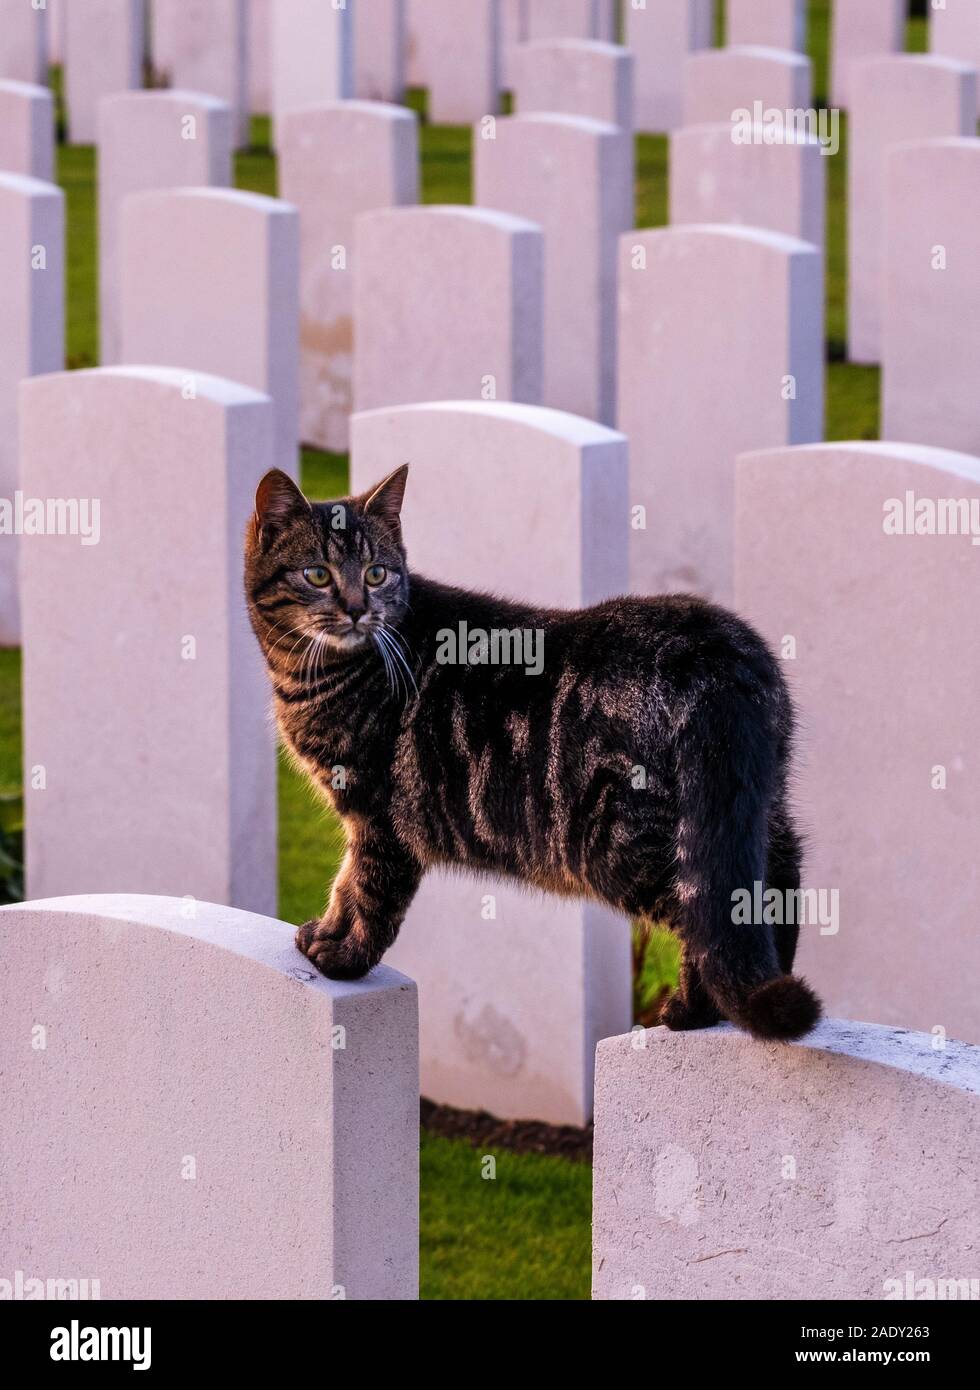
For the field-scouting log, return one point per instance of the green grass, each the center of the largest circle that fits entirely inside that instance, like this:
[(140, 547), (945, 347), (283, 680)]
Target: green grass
[(524, 1234)]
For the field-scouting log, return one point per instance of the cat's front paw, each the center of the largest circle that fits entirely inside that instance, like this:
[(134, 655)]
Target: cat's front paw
[(681, 1017), (333, 956)]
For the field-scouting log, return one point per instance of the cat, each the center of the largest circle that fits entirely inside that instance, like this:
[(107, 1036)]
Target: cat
[(643, 762)]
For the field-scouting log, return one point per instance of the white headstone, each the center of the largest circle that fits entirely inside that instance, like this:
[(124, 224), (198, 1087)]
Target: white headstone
[(231, 306), (312, 54), (251, 1127), (104, 41), (208, 52), (569, 19), (26, 130), (23, 42), (772, 23), (575, 77), (830, 1168), (462, 60), (538, 167), (858, 563), (660, 37), (954, 32), (726, 84), (259, 56), (149, 761), (862, 29), (513, 1003), (931, 316), (336, 161), (148, 140), (379, 49), (893, 99), (448, 305), (695, 392), (777, 184), (32, 276)]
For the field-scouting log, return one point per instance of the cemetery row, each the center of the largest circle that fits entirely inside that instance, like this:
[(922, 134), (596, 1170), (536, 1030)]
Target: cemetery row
[(684, 446), (280, 55), (346, 293), (164, 1162)]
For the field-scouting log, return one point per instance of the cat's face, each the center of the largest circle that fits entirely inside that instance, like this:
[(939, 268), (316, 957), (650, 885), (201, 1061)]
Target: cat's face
[(331, 573)]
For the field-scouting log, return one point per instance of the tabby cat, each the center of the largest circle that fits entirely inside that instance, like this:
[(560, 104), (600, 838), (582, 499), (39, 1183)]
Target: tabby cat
[(643, 762)]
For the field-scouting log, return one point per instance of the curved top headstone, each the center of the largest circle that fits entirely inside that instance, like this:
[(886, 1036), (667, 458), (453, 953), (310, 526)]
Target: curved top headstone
[(190, 1111), (858, 562), (837, 1167)]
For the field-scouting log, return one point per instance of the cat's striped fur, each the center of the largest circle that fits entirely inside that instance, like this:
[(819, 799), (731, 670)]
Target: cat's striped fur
[(645, 765)]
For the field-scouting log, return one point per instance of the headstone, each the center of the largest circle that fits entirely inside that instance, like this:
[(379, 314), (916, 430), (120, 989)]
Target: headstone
[(893, 99), (462, 60), (448, 303), (660, 36), (312, 54), (231, 308), (516, 988), (538, 167), (23, 42), (831, 1168), (575, 77), (56, 30), (32, 274), (569, 19), (379, 50), (336, 161), (208, 52), (772, 23), (513, 31), (172, 788), (832, 543), (26, 130), (690, 400), (779, 184), (721, 83), (148, 140), (104, 42), (954, 32), (931, 323), (259, 59), (862, 29), (188, 1041)]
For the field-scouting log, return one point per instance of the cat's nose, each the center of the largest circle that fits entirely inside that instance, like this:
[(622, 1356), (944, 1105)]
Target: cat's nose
[(356, 612)]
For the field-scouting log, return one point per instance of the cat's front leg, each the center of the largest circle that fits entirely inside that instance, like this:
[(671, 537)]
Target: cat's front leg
[(371, 894)]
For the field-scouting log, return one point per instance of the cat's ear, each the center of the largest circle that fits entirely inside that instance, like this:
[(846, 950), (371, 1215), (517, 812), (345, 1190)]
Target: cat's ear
[(278, 501), (385, 500)]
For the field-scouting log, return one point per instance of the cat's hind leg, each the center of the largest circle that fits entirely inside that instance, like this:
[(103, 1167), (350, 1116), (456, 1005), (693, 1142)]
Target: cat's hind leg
[(690, 1005)]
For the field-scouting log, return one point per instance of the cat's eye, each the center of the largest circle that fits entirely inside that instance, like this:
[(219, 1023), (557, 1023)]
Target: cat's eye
[(375, 575), (317, 575)]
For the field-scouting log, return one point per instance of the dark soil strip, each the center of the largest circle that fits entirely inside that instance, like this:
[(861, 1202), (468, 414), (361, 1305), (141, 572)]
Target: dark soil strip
[(485, 1131)]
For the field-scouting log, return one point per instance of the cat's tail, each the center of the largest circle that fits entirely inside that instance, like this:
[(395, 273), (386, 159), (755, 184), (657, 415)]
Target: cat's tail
[(728, 775)]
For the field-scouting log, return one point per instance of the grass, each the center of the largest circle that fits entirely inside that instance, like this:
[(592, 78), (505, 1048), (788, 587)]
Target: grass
[(525, 1233), (522, 1234)]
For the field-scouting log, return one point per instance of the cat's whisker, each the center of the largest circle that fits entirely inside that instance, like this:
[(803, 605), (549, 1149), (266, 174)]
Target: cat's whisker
[(385, 658), (397, 653), (391, 655)]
